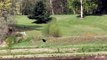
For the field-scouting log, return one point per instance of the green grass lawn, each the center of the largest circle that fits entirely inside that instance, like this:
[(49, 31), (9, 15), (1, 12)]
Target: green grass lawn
[(73, 26), (70, 25)]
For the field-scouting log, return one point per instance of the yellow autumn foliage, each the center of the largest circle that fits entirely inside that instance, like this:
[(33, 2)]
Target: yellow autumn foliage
[(5, 4)]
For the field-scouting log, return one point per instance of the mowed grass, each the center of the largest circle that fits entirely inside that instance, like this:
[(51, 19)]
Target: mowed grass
[(90, 25), (70, 25), (26, 25)]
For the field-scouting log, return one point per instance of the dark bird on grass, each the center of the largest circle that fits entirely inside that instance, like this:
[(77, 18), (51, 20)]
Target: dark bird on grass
[(44, 40)]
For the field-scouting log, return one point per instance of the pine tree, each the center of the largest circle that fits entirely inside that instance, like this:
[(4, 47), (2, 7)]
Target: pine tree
[(40, 13)]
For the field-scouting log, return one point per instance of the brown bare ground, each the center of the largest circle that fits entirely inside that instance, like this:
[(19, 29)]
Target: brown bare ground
[(100, 57), (78, 39)]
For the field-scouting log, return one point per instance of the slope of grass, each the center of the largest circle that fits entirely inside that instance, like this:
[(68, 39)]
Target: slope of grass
[(25, 24), (70, 25), (73, 26)]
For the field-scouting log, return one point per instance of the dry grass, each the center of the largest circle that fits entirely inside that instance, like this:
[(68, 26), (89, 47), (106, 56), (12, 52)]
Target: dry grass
[(77, 39)]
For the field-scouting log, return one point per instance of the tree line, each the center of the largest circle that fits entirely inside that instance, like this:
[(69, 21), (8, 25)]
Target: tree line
[(25, 7), (67, 6)]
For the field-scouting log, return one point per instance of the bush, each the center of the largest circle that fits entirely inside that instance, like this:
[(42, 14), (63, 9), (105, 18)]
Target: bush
[(10, 41), (52, 29)]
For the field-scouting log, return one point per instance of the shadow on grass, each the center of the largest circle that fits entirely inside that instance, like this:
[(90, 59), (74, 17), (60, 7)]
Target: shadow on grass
[(28, 27), (78, 16)]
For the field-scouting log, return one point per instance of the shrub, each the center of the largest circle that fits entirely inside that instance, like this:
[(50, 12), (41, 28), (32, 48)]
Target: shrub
[(52, 29), (10, 41)]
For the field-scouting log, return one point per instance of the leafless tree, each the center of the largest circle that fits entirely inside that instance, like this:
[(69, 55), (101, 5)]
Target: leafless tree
[(7, 23)]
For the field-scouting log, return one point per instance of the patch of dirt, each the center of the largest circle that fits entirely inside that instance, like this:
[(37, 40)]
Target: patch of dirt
[(64, 58)]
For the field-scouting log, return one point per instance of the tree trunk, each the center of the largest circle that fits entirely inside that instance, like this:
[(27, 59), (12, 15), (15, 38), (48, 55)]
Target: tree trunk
[(74, 12), (82, 9), (52, 9)]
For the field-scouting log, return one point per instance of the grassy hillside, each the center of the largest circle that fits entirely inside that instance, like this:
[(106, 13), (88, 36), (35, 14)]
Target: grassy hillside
[(71, 27)]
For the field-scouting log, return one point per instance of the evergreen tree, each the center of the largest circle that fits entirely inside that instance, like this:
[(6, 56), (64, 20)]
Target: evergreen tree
[(40, 13)]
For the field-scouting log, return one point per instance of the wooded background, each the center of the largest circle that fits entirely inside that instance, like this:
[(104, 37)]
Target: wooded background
[(25, 7)]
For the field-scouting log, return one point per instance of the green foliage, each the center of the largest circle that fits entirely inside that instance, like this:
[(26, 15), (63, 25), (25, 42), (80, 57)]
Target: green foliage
[(92, 48), (40, 13), (74, 5), (10, 41), (90, 6), (52, 29), (27, 6)]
